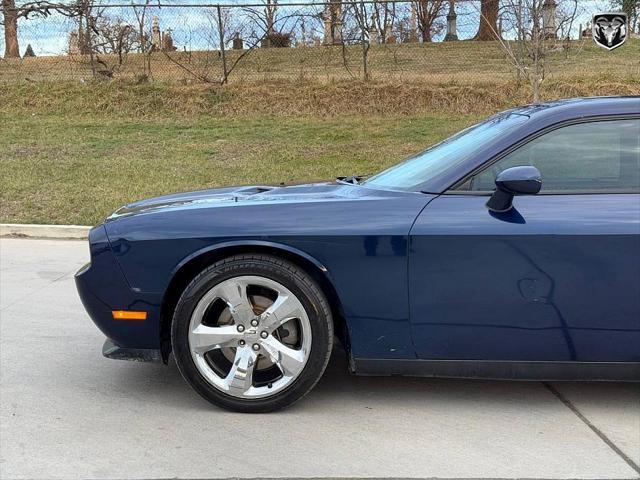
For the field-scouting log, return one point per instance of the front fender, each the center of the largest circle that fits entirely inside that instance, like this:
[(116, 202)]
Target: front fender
[(247, 244)]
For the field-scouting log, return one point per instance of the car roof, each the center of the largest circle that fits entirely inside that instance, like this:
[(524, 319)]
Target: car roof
[(571, 108)]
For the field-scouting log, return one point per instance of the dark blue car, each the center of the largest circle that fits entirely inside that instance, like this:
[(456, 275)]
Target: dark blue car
[(510, 250)]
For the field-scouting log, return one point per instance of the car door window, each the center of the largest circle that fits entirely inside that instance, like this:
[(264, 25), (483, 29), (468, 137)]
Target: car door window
[(595, 156)]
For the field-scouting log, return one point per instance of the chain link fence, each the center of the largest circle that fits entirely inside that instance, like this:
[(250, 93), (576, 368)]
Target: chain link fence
[(423, 40)]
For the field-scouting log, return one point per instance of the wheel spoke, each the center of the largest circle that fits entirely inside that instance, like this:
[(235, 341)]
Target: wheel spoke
[(205, 338), (234, 293), (283, 309), (244, 341), (240, 378), (290, 361)]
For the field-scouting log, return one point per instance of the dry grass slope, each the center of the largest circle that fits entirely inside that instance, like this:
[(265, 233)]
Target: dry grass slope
[(465, 62), (290, 98)]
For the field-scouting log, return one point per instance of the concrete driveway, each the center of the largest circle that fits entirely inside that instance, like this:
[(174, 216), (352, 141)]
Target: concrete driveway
[(66, 412)]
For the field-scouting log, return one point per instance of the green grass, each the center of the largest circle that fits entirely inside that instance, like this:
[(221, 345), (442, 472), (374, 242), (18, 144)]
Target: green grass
[(77, 169)]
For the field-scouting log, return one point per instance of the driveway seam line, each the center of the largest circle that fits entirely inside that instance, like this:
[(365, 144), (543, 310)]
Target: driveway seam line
[(378, 478), (593, 428)]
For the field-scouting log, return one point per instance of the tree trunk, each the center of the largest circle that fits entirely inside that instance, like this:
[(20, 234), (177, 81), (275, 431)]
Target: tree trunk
[(632, 9), (488, 20), (11, 48), (426, 13)]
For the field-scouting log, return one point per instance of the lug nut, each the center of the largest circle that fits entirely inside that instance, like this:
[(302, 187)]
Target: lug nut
[(256, 347), (254, 322), (241, 328), (241, 343), (264, 334)]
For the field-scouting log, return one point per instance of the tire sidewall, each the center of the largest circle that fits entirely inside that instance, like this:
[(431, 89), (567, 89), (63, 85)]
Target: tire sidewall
[(300, 284)]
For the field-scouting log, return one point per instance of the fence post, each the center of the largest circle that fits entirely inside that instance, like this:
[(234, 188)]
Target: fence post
[(88, 33), (222, 52), (365, 41)]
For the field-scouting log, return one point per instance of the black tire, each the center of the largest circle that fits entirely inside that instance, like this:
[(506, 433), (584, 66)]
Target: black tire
[(290, 276)]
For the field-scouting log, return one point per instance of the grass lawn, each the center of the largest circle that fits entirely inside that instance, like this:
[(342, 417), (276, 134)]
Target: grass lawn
[(76, 169)]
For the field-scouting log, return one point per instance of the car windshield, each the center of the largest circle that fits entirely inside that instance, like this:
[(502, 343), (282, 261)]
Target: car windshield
[(420, 168)]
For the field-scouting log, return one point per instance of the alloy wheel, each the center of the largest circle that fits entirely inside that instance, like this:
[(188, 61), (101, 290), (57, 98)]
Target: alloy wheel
[(250, 337)]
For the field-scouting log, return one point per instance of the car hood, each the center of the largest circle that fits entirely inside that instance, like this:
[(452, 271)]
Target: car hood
[(232, 196)]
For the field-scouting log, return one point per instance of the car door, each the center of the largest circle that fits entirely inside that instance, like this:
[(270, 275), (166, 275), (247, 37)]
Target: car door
[(555, 278)]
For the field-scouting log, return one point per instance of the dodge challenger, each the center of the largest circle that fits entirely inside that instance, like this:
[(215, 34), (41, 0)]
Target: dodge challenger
[(508, 251)]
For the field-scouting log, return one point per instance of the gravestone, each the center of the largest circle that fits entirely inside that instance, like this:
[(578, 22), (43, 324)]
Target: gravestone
[(156, 36), (549, 18), (452, 33), (373, 33), (167, 41), (413, 25), (238, 44), (29, 52), (332, 20), (74, 46)]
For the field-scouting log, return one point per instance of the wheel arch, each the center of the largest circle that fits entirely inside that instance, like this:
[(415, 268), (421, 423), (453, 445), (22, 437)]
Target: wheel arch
[(186, 270)]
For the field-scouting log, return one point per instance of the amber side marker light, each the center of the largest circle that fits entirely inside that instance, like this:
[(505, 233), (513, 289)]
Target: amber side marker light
[(129, 315)]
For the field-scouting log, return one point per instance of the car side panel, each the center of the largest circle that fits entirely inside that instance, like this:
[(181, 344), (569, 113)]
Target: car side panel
[(361, 242), (557, 278)]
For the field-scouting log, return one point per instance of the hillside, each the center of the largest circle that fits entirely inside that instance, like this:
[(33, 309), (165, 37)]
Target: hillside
[(464, 62), (74, 149)]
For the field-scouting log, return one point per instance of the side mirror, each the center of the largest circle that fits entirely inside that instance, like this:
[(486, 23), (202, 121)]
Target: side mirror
[(514, 181)]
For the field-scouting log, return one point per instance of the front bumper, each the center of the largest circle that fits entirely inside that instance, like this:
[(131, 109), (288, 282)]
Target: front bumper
[(111, 350), (103, 288)]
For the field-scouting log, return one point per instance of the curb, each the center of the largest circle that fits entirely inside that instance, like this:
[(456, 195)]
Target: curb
[(66, 232)]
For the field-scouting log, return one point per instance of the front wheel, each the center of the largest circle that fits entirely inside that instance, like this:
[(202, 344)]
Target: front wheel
[(252, 333)]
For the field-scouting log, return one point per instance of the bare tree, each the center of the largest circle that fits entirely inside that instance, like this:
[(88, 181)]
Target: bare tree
[(223, 26), (270, 15), (86, 18), (363, 22), (10, 15), (404, 22), (10, 21), (97, 32), (231, 25), (114, 36), (384, 15), (79, 9), (144, 45), (537, 31), (428, 12), (488, 29), (274, 29)]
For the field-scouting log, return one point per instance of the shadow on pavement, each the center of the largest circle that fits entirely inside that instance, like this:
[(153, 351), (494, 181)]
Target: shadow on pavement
[(165, 384)]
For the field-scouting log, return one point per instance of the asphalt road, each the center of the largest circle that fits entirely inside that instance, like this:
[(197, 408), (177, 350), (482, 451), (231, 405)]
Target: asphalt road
[(66, 412)]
